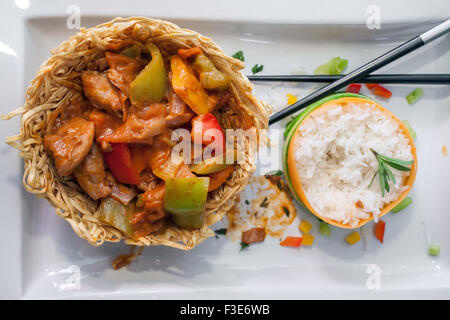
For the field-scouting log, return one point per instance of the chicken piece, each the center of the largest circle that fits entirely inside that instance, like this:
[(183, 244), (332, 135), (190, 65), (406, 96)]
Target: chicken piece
[(119, 191), (150, 218), (153, 202), (91, 175), (74, 109), (253, 235), (178, 112), (101, 92), (122, 71), (70, 144), (141, 125), (105, 125), (147, 180)]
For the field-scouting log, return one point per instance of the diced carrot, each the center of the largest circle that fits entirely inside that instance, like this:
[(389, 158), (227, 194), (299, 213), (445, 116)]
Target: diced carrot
[(379, 230), (370, 86), (291, 242), (382, 92)]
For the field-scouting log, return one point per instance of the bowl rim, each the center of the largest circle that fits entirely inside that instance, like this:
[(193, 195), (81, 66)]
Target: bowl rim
[(294, 180)]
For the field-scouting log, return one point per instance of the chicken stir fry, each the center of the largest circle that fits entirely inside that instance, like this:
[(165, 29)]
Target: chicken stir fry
[(116, 143)]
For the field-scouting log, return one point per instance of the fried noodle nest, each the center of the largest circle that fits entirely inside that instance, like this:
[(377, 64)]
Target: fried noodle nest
[(58, 82)]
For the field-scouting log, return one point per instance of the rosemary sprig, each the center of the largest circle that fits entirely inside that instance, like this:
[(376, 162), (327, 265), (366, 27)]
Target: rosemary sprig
[(385, 174)]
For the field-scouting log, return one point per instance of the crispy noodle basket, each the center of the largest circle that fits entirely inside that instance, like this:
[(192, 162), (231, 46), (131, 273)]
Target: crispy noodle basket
[(58, 82)]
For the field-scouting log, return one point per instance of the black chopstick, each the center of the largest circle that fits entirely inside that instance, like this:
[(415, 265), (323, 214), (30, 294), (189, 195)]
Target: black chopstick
[(365, 70), (376, 78)]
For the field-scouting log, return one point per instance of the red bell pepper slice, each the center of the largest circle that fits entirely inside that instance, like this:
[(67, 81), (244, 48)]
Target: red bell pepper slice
[(216, 179), (120, 164), (379, 230), (291, 242), (370, 86), (382, 92), (206, 128), (353, 88), (379, 90)]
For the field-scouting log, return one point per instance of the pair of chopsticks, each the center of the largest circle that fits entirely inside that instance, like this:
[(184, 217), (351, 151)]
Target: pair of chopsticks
[(361, 74)]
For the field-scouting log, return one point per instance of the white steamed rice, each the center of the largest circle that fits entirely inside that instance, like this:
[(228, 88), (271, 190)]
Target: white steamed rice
[(335, 163)]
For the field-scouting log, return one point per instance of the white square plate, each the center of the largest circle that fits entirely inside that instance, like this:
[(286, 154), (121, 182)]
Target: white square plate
[(41, 253)]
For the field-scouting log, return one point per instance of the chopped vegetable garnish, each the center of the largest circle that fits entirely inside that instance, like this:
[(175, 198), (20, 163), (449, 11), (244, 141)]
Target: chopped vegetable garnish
[(274, 173), (353, 88), (247, 202), (370, 86), (221, 231), (257, 68), (264, 203), (291, 99), (402, 205), (324, 229), (414, 95), (305, 226), (333, 67), (239, 55), (379, 230), (353, 238), (244, 246), (382, 92), (307, 240), (410, 129), (433, 250), (291, 242)]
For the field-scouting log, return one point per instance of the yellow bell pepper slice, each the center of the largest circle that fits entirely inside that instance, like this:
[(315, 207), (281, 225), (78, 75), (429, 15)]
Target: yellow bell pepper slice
[(189, 88), (307, 240), (304, 226), (353, 238)]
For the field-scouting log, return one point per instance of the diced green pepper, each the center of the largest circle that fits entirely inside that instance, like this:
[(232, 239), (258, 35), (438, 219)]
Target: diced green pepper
[(215, 164), (402, 205), (410, 129), (185, 200), (414, 95), (210, 77), (116, 214), (324, 229), (433, 250), (333, 67), (150, 84), (131, 52)]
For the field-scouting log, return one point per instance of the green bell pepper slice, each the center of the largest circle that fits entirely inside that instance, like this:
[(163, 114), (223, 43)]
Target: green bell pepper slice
[(185, 200), (116, 214), (210, 77), (334, 66), (150, 84)]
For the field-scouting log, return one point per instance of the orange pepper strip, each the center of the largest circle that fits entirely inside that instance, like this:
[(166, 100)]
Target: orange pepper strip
[(217, 178), (189, 88), (291, 242), (187, 53), (379, 230)]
